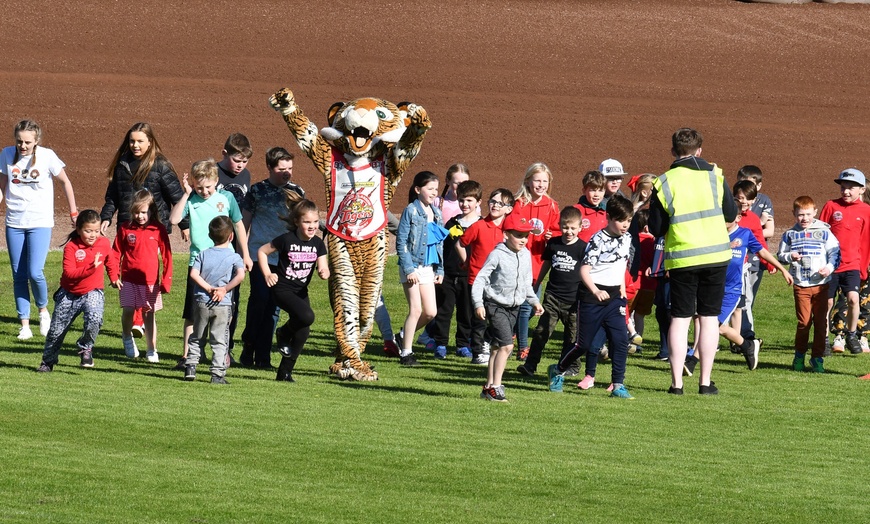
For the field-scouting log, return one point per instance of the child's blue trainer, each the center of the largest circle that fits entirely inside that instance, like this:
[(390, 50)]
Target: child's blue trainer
[(556, 378), (441, 352), (620, 391), (463, 352)]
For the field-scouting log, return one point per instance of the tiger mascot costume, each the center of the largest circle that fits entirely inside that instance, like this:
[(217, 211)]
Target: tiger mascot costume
[(362, 156)]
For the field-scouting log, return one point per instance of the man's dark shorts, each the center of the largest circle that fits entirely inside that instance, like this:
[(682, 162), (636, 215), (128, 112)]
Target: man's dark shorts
[(697, 290)]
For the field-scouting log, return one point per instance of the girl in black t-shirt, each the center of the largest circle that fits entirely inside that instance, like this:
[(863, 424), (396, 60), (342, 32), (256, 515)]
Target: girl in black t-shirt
[(300, 253)]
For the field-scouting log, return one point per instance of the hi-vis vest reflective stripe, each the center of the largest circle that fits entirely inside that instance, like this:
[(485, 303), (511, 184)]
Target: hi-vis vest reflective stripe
[(697, 234)]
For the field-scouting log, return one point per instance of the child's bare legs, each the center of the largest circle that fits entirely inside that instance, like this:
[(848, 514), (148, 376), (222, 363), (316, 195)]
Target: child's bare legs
[(150, 329), (731, 333), (421, 309), (127, 322), (188, 330), (497, 363), (853, 312), (737, 321)]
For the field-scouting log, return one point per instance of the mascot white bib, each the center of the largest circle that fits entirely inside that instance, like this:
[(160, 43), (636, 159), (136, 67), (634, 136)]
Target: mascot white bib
[(357, 210)]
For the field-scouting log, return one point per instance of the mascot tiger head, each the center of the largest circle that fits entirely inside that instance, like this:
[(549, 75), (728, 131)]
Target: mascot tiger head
[(365, 126)]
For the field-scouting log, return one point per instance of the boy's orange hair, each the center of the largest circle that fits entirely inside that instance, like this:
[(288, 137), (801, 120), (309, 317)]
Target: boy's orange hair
[(803, 202)]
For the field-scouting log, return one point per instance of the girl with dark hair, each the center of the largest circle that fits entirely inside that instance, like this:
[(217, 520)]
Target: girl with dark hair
[(421, 259), (85, 254)]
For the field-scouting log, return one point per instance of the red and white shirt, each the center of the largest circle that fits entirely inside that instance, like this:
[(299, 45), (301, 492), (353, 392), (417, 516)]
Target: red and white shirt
[(357, 210)]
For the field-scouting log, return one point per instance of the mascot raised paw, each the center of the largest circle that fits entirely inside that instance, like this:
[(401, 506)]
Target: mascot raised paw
[(362, 154)]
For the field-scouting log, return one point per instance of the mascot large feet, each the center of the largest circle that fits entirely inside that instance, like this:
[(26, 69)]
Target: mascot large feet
[(362, 154)]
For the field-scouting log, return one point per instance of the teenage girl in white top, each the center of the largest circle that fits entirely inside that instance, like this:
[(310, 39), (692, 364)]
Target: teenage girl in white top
[(27, 186)]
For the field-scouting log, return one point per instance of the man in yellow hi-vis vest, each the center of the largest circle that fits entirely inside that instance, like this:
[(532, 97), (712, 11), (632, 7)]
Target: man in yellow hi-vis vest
[(690, 205)]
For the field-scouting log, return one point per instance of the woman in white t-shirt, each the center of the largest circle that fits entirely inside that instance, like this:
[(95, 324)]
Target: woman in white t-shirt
[(28, 188)]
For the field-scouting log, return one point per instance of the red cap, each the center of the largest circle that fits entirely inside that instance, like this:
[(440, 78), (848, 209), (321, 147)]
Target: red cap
[(514, 222)]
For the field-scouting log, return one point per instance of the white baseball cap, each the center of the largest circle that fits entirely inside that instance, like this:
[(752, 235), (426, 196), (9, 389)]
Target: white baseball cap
[(851, 175), (611, 167)]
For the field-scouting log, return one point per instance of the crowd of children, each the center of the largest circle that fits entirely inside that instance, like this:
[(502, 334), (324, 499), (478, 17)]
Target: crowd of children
[(605, 267)]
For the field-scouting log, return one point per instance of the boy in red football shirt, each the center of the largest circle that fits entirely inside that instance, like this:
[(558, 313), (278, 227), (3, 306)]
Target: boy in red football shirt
[(480, 239), (849, 218)]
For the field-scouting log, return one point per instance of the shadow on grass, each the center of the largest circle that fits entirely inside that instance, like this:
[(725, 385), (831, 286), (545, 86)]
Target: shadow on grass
[(397, 389)]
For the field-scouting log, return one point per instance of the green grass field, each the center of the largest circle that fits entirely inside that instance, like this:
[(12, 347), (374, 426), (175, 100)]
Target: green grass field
[(129, 441)]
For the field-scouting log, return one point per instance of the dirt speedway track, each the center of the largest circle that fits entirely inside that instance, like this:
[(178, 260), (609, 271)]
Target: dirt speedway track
[(506, 83)]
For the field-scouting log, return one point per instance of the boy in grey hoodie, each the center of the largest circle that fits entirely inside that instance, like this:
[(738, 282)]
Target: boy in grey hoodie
[(502, 285)]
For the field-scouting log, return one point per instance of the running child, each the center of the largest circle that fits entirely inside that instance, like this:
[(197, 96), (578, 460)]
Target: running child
[(500, 287), (421, 258), (642, 299), (215, 272), (814, 253), (594, 218), (234, 178), (480, 239), (743, 244), (140, 164), (264, 213), (86, 254), (602, 302), (591, 205), (762, 206), (448, 202), (454, 291), (641, 189), (142, 246), (300, 253), (533, 203), (745, 194), (613, 171), (562, 257), (849, 218), (201, 203)]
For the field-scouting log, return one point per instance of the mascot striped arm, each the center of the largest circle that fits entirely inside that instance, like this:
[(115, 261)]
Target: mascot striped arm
[(362, 155)]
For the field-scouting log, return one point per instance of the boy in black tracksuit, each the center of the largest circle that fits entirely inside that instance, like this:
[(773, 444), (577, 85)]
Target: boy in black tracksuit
[(562, 258), (455, 291)]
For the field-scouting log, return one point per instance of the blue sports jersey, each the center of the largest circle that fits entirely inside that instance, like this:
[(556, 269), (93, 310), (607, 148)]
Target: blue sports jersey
[(742, 240)]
